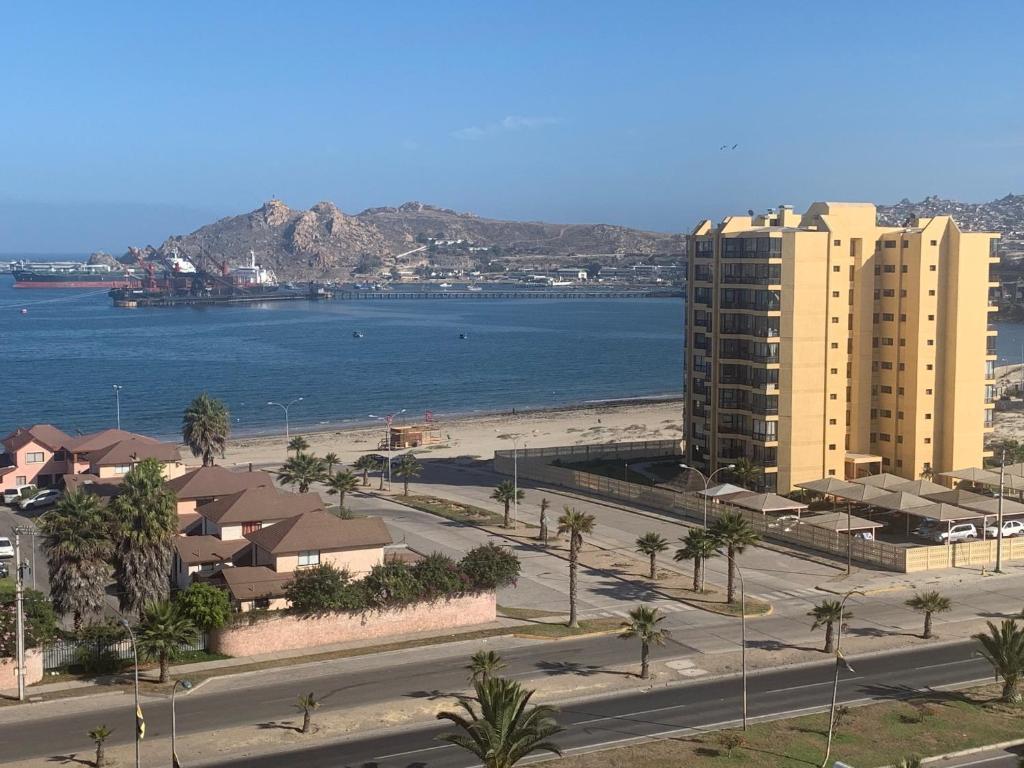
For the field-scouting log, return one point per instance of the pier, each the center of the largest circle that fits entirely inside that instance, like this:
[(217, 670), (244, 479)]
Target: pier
[(508, 294)]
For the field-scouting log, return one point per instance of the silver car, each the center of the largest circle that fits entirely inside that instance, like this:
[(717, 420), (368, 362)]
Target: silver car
[(959, 532)]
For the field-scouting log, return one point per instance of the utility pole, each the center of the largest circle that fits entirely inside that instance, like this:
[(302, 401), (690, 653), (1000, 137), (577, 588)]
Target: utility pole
[(117, 401), (19, 597), (999, 515)]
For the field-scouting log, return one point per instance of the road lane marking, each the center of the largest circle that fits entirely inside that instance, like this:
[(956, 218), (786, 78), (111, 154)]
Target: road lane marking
[(809, 685), (626, 715), (413, 751)]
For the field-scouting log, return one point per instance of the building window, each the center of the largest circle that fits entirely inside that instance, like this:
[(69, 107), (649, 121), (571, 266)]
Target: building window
[(927, 441), (884, 437), (927, 416), (873, 437), (931, 342), (899, 439), (122, 469), (20, 480), (885, 413), (903, 294), (886, 389), (834, 371), (835, 345), (889, 268), (903, 318), (261, 603), (935, 242), (931, 267), (835, 269), (835, 294), (833, 396), (927, 391), (36, 457), (835, 319), (902, 366), (874, 413), (931, 292), (886, 341), (886, 366), (831, 446), (899, 462), (931, 317), (889, 243), (251, 527), (927, 367), (309, 557), (899, 414), (831, 471), (837, 242), (887, 316), (903, 342), (903, 268), (832, 422), (889, 293), (899, 390)]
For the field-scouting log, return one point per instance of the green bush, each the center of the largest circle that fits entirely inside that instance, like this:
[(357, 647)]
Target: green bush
[(40, 620), (439, 576), (317, 590), (204, 605), (95, 655), (489, 567), (392, 584)]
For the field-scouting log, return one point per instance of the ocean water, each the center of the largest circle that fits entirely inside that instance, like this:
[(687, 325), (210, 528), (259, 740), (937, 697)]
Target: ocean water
[(61, 358)]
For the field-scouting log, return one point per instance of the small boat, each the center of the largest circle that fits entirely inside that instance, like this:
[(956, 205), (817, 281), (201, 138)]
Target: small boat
[(474, 288), (445, 285), (357, 334), (463, 335)]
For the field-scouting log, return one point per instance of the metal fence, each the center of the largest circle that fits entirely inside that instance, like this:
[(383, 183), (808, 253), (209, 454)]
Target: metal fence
[(643, 448), (61, 654)]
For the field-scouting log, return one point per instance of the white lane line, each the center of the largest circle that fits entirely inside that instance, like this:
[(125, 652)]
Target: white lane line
[(625, 715), (414, 751), (945, 664), (808, 685)]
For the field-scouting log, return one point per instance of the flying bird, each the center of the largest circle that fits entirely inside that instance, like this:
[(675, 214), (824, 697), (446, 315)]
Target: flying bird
[(726, 146)]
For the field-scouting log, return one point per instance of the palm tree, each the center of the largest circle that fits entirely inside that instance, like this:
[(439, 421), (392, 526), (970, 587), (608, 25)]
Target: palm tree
[(734, 532), (1003, 648), (76, 539), (651, 544), (576, 524), (745, 473), (505, 730), (330, 460), (643, 623), (408, 468), (100, 735), (366, 464), (928, 603), (306, 704), (162, 632), (483, 665), (144, 523), (340, 483), (545, 505), (205, 427), (505, 493), (910, 761), (827, 614), (699, 546), (299, 444), (302, 469)]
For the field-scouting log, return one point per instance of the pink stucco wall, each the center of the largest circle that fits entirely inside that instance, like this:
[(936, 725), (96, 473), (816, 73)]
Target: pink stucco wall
[(284, 632), (33, 670)]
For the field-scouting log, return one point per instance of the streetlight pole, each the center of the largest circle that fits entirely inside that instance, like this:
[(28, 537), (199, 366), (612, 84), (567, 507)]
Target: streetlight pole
[(707, 484), (139, 721), (840, 661), (387, 436), (117, 403), (185, 685), (999, 515), (19, 598), (743, 630), (515, 483), (284, 407)]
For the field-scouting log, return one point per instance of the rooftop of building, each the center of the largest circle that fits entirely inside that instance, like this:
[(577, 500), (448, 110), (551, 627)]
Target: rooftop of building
[(321, 531), (201, 550), (211, 482), (252, 582), (260, 503), (45, 435), (130, 450)]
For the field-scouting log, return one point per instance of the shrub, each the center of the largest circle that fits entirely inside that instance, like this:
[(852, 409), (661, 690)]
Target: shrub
[(317, 590), (40, 620), (205, 606), (95, 655), (392, 584), (439, 576), (489, 567)]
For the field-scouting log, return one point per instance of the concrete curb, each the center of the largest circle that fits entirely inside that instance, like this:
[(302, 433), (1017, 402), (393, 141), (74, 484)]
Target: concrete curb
[(969, 752)]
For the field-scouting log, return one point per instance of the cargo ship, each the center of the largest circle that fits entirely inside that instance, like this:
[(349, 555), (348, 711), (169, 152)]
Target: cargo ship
[(67, 274)]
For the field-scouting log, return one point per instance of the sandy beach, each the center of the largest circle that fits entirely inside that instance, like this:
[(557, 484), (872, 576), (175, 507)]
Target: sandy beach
[(477, 437)]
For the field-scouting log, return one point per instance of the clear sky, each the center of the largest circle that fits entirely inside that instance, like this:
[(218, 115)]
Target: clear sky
[(122, 123)]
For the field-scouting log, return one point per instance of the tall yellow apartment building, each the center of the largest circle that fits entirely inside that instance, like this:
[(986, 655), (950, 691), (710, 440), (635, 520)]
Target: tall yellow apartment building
[(822, 344)]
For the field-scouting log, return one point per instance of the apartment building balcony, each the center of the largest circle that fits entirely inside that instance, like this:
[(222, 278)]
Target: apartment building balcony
[(990, 345)]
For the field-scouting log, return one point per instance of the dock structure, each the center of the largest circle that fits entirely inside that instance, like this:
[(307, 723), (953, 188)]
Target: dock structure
[(507, 294)]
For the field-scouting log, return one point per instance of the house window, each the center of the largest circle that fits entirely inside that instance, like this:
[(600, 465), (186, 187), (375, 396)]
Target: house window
[(251, 527), (835, 269), (837, 242), (889, 268), (890, 243), (35, 457), (261, 603), (20, 480), (309, 557), (122, 469)]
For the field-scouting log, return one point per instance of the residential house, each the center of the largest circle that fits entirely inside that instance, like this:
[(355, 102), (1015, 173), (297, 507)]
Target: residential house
[(232, 516), (33, 455), (205, 484), (253, 587), (202, 555)]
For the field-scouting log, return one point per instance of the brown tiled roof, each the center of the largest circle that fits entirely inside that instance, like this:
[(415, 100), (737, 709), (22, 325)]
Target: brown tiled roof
[(320, 531), (105, 488), (402, 554), (210, 482), (196, 550), (102, 439), (254, 582), (46, 435), (132, 450), (259, 504), (187, 520)]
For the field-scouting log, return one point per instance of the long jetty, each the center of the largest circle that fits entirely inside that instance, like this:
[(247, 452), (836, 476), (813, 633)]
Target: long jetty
[(505, 294)]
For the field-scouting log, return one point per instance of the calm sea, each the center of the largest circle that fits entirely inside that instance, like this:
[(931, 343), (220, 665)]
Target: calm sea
[(60, 360)]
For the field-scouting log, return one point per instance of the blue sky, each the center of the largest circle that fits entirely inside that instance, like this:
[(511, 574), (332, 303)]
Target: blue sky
[(128, 122)]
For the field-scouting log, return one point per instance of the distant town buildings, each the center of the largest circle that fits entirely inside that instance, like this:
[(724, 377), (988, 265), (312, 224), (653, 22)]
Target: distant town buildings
[(822, 344)]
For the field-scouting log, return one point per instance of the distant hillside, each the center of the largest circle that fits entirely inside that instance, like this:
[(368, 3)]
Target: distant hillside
[(326, 242), (1005, 215)]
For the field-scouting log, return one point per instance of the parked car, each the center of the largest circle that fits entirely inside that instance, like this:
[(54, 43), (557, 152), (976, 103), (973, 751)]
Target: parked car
[(959, 532), (1010, 528), (41, 500), (6, 548), (11, 495), (927, 528)]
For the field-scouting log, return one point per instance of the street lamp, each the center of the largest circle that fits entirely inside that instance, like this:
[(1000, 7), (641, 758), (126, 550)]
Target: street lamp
[(140, 723), (284, 407), (840, 661), (387, 436), (117, 403), (743, 630), (185, 685), (707, 483)]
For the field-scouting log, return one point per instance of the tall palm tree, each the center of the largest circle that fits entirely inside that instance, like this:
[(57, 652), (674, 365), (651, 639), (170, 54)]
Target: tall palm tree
[(505, 493), (745, 473), (162, 632), (205, 427), (651, 544), (306, 704), (506, 729), (734, 532), (302, 470), (576, 524), (299, 444), (366, 464), (827, 614), (144, 523), (929, 603), (1003, 648), (643, 623), (76, 539), (340, 483), (483, 665), (330, 460), (699, 546), (545, 505), (98, 736), (408, 468)]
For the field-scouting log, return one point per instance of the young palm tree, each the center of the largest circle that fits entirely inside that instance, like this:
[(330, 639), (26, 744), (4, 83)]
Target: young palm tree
[(144, 523), (506, 729), (299, 444), (827, 614), (576, 524), (302, 470), (929, 603), (734, 532), (651, 544), (100, 735), (505, 493), (699, 546), (306, 704), (483, 665), (745, 473), (162, 632), (365, 464), (340, 483), (545, 505), (1003, 648), (910, 761), (76, 539), (408, 468), (330, 460), (205, 427), (643, 623)]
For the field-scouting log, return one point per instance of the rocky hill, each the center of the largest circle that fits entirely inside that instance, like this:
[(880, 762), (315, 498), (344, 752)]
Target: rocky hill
[(1005, 215), (324, 242)]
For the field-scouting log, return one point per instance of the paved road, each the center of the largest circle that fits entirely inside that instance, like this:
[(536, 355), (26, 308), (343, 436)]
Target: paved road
[(267, 697), (39, 578), (996, 758)]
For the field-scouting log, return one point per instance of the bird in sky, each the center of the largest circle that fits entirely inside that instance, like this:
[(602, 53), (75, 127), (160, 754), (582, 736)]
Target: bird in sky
[(726, 146)]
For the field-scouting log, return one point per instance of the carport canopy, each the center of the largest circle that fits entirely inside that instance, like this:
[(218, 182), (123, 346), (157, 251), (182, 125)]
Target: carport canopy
[(945, 513), (958, 497), (885, 480), (920, 487), (974, 475), (900, 501), (767, 502), (861, 494), (725, 489), (837, 521), (990, 506), (829, 486)]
